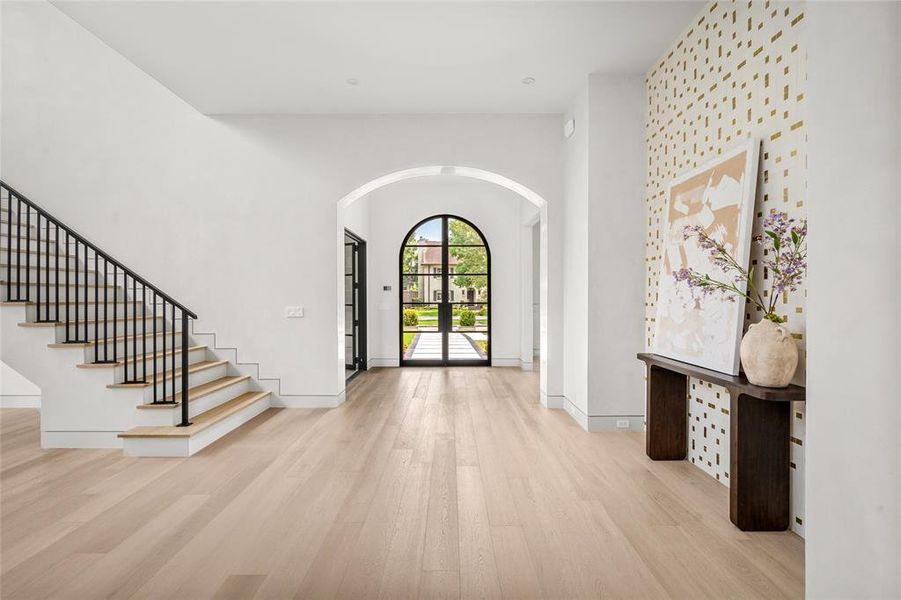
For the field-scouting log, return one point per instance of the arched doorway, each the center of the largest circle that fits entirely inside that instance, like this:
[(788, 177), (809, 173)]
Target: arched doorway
[(444, 270), (549, 286)]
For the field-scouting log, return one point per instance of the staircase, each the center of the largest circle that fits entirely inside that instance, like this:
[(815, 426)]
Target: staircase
[(111, 352)]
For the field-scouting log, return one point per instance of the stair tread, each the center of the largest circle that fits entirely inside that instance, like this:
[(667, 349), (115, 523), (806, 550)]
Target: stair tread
[(199, 391), (89, 321), (200, 422), (170, 374), (138, 358), (119, 338)]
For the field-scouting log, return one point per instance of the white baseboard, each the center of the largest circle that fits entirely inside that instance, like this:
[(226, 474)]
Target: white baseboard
[(601, 423), (325, 401), (10, 401), (608, 423), (80, 439), (576, 413), (551, 401), (505, 362), (158, 447), (526, 365), (383, 362)]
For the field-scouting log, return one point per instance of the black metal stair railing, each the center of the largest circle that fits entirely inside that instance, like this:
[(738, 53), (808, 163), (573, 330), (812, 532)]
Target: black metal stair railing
[(86, 290)]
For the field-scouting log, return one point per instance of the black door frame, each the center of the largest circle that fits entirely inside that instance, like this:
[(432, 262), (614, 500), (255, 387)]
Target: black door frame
[(445, 308), (358, 279)]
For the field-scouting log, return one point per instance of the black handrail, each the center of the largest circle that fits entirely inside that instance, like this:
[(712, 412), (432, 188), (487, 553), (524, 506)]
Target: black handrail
[(77, 324)]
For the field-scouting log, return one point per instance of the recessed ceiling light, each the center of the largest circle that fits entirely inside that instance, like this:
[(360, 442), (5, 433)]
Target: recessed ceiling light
[(528, 80), (352, 81)]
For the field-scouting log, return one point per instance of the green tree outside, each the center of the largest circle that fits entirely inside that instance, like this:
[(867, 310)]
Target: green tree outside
[(472, 259)]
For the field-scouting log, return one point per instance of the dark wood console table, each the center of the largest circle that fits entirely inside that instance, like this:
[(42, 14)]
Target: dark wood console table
[(760, 423)]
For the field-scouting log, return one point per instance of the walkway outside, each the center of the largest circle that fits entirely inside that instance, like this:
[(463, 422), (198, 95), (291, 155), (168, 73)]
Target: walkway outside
[(427, 346)]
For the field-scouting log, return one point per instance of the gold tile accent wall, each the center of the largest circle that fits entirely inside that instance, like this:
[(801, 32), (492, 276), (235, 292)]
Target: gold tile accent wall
[(739, 70)]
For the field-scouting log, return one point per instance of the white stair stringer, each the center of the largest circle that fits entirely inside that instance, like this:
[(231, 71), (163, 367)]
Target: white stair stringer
[(272, 384), (269, 384)]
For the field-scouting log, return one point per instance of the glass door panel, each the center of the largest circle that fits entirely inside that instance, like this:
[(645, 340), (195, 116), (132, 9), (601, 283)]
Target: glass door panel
[(420, 323), (428, 232), (422, 288), (469, 332)]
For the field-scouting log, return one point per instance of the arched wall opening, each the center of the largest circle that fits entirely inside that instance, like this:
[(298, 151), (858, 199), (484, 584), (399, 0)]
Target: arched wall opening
[(525, 229)]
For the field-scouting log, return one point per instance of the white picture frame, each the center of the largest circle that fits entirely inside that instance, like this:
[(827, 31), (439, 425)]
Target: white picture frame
[(719, 195)]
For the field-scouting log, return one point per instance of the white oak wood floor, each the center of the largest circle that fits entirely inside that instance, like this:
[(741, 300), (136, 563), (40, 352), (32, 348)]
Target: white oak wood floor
[(425, 483)]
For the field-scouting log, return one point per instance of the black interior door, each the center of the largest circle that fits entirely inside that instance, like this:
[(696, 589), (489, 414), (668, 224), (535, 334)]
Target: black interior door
[(354, 305)]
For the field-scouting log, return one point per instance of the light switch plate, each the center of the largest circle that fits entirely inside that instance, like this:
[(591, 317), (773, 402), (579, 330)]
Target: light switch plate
[(294, 312)]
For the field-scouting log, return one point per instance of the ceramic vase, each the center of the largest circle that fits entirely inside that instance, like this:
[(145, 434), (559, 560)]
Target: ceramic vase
[(769, 354)]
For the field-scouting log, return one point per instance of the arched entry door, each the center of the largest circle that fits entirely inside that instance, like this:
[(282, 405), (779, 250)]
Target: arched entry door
[(445, 300)]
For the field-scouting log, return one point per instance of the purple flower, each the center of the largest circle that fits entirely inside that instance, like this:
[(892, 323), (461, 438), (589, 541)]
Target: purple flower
[(784, 265)]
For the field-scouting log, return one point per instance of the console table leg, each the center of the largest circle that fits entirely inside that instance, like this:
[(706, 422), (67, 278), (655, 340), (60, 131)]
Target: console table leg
[(759, 457), (667, 420)]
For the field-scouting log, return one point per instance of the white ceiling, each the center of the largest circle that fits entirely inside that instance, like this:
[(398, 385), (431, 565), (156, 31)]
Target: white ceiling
[(409, 57)]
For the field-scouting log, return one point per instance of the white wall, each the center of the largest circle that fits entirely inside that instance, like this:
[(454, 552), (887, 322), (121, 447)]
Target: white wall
[(234, 216), (394, 209), (575, 258), (853, 452), (16, 391), (616, 242), (603, 245), (356, 219)]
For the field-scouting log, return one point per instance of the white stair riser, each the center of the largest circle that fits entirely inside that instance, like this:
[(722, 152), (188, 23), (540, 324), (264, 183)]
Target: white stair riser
[(15, 222), (172, 415), (118, 373), (54, 278), (24, 243), (172, 446), (48, 309), (22, 227), (29, 292), (194, 379), (118, 346), (48, 261), (81, 331)]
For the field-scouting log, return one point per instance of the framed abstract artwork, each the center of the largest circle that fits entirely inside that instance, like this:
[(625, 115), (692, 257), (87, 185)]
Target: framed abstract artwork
[(718, 196)]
